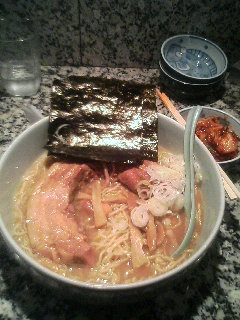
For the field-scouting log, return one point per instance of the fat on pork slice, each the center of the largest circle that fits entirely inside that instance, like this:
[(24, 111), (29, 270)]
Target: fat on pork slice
[(52, 228), (132, 177)]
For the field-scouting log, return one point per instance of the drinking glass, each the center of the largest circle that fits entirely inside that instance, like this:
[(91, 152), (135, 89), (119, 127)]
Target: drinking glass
[(19, 57)]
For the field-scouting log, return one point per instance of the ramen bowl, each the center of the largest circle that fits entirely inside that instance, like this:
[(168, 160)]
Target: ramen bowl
[(193, 59), (28, 147), (227, 118)]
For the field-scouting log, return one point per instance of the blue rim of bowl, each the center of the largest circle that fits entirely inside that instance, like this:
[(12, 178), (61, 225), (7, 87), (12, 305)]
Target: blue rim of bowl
[(224, 113), (201, 38), (188, 83)]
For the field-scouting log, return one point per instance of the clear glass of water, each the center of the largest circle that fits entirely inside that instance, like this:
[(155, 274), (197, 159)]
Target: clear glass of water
[(19, 57)]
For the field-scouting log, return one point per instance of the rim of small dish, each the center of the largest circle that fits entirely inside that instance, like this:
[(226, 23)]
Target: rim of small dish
[(201, 38), (195, 257)]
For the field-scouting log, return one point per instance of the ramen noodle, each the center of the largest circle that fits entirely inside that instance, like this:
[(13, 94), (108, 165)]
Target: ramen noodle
[(105, 223)]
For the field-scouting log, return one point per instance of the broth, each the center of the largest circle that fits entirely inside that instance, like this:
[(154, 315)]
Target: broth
[(112, 243)]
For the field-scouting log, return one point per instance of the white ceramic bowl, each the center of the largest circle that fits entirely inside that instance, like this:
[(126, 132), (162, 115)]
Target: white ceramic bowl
[(29, 145), (193, 58), (181, 88), (234, 123)]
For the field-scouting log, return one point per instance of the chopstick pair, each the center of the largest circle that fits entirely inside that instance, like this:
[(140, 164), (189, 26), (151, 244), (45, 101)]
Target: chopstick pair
[(229, 186)]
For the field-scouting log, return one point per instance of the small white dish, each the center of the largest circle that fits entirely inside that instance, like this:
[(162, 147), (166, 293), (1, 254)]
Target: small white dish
[(194, 58), (234, 123)]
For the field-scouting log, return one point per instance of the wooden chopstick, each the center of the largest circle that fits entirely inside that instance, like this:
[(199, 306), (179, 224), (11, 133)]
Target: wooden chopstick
[(171, 107), (229, 186), (228, 182)]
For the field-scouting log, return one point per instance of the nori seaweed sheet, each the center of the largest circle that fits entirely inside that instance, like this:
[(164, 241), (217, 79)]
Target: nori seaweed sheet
[(103, 119)]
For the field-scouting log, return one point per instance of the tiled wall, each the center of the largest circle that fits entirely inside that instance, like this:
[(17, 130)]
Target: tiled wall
[(125, 33), (57, 24)]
